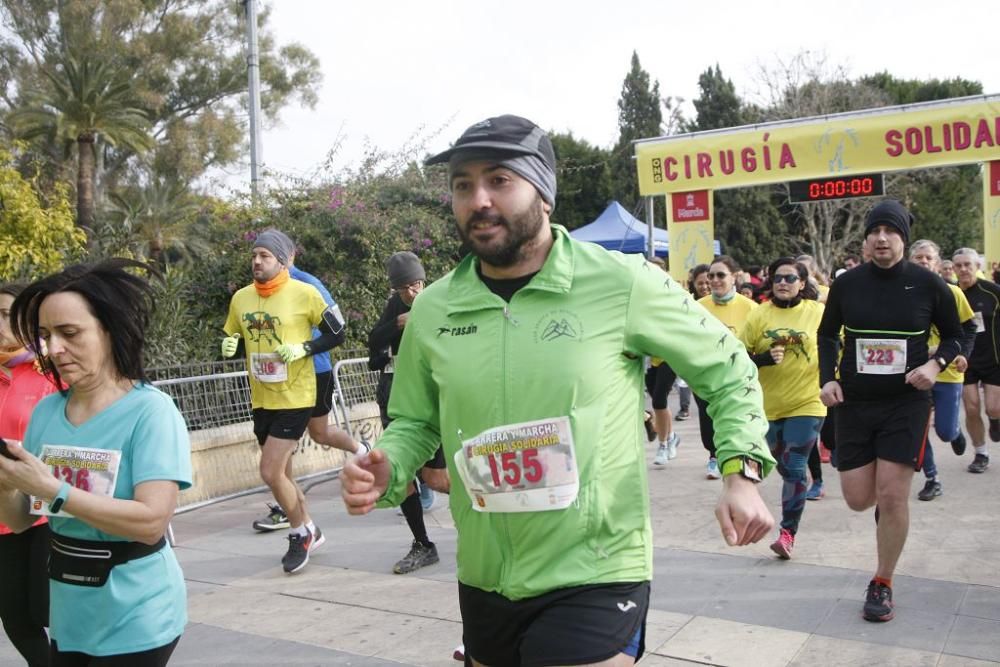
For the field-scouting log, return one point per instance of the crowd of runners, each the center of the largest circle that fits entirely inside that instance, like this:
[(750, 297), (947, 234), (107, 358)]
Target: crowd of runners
[(513, 384)]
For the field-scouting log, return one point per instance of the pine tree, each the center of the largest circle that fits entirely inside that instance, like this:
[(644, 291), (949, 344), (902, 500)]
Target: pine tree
[(639, 117)]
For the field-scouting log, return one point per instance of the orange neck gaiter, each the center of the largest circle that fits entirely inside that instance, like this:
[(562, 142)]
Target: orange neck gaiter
[(273, 285)]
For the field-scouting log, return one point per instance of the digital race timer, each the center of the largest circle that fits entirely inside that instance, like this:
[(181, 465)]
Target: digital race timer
[(837, 187)]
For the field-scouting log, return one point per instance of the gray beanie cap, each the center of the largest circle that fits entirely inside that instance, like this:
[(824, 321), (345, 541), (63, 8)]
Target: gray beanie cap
[(277, 243), (404, 268)]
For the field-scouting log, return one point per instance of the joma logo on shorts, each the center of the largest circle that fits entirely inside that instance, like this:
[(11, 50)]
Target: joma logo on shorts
[(457, 331)]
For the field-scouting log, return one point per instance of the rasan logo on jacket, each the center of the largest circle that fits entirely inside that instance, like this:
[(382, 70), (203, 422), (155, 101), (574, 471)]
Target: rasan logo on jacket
[(457, 331)]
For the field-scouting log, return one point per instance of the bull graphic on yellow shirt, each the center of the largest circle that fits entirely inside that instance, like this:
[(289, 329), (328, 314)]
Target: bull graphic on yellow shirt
[(792, 340), (261, 326)]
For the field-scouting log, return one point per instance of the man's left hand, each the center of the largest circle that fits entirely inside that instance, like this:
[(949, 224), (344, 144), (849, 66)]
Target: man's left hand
[(290, 353), (923, 377), (741, 512)]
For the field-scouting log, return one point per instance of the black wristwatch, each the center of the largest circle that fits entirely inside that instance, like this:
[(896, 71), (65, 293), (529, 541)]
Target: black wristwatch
[(942, 364), (307, 346)]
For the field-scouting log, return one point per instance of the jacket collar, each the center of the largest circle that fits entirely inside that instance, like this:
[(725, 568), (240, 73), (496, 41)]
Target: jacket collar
[(467, 292)]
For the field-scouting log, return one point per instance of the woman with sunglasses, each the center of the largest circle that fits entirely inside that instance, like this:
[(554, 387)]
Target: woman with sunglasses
[(730, 308), (781, 339)]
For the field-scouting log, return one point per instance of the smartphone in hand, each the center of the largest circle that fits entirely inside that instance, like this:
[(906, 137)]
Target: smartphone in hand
[(3, 450)]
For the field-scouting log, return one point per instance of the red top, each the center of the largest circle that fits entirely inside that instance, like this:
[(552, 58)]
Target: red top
[(19, 393)]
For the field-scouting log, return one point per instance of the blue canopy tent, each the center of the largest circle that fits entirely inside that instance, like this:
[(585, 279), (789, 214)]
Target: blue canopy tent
[(617, 229)]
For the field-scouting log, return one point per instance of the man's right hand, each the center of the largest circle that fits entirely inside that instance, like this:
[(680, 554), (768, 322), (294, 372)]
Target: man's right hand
[(831, 394), (363, 480), (229, 345), (401, 320)]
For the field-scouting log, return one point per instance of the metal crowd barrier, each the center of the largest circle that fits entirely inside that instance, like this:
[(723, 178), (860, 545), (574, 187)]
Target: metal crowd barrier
[(216, 396)]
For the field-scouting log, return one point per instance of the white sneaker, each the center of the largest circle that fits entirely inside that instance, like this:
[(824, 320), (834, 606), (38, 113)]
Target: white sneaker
[(662, 455), (672, 443), (712, 470)]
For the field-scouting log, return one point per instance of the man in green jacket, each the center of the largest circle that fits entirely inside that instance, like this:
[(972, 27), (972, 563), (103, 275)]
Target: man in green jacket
[(526, 363)]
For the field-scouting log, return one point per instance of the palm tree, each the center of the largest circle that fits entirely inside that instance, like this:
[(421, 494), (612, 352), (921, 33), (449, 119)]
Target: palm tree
[(85, 101), (158, 222)]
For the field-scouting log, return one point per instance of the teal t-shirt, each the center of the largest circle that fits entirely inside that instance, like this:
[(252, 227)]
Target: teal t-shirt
[(143, 605)]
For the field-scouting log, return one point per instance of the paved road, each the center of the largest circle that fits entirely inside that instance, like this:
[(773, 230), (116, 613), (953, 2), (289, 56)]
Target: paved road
[(711, 604)]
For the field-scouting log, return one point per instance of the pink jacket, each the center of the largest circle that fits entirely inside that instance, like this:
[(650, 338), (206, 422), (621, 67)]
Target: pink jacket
[(19, 393)]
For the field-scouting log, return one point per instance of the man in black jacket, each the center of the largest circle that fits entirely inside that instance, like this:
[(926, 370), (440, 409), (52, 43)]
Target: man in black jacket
[(886, 308)]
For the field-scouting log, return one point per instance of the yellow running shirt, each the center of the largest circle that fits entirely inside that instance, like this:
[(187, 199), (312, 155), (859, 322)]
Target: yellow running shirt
[(287, 316), (964, 315), (791, 388), (732, 314)]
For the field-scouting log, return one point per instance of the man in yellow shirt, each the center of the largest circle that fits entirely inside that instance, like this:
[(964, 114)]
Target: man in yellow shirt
[(271, 320)]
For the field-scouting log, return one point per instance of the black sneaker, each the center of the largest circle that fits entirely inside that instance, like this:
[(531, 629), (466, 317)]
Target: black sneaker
[(878, 603), (995, 430), (276, 519), (682, 415), (419, 556), (931, 490), (979, 464), (298, 552), (958, 444)]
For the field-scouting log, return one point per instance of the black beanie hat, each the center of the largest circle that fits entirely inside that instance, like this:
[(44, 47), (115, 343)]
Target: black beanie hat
[(404, 268), (892, 213)]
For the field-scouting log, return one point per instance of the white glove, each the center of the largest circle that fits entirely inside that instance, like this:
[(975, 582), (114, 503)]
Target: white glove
[(229, 345)]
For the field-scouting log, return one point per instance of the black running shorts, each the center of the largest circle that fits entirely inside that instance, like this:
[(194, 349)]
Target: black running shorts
[(891, 429), (569, 626), (283, 424), (324, 394), (659, 381), (986, 375)]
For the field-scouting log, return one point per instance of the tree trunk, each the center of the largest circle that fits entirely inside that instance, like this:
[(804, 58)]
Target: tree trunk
[(85, 183)]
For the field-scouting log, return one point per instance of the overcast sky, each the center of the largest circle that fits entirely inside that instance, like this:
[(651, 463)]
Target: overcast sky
[(393, 70)]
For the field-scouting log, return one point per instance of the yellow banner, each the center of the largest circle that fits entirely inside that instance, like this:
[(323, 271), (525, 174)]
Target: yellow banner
[(691, 243), (991, 214), (891, 140)]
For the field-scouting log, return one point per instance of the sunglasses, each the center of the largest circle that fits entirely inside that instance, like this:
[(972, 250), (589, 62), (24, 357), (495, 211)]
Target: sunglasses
[(786, 278), (719, 275)]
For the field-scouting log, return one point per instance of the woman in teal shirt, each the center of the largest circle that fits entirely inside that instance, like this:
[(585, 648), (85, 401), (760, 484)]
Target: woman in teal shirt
[(105, 459)]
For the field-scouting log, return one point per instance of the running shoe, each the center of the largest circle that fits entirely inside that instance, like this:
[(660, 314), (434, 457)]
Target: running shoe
[(662, 455), (815, 491), (931, 490), (276, 519), (426, 496), (995, 430), (648, 423), (712, 470), (784, 544), (459, 653), (878, 603), (979, 464), (297, 555), (318, 540), (672, 443), (682, 415), (958, 444), (418, 557)]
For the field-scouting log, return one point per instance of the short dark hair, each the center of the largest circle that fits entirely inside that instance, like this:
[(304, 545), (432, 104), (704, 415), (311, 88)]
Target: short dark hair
[(120, 300), (730, 263)]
